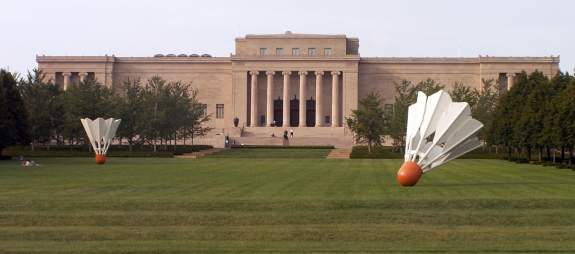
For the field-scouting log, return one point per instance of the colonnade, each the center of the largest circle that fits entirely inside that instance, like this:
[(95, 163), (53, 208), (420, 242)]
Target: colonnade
[(335, 119), (67, 76)]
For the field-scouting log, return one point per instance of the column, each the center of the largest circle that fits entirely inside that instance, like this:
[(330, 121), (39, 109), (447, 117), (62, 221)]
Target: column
[(83, 76), (254, 102), (334, 99), (270, 99), (318, 99), (66, 79), (510, 77), (302, 98), (286, 116)]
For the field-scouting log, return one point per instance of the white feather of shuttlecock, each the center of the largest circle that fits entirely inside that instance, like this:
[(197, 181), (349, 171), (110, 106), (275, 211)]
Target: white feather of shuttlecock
[(451, 123), (100, 132)]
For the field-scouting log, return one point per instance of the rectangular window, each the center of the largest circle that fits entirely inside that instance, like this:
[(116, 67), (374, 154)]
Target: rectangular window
[(279, 51), (327, 51), (327, 120), (295, 51), (219, 110), (204, 109), (263, 51), (388, 107), (311, 51)]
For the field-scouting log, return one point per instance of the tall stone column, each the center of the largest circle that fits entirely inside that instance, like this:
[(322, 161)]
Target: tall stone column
[(83, 76), (66, 79), (302, 98), (286, 116), (254, 102), (335, 99), (318, 99), (270, 99), (510, 77)]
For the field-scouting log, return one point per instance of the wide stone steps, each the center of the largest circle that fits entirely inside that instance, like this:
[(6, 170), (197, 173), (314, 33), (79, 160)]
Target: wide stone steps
[(337, 142), (198, 154), (339, 154), (303, 136)]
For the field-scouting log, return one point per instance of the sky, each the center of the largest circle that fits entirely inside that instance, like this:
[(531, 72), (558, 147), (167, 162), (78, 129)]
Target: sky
[(450, 28)]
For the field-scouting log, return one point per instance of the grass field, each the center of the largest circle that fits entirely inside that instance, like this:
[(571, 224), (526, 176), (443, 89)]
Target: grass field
[(270, 205)]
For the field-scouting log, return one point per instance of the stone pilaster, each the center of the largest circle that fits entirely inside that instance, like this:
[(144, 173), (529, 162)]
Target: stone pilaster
[(302, 99), (318, 99), (335, 99), (254, 101), (286, 106), (270, 99)]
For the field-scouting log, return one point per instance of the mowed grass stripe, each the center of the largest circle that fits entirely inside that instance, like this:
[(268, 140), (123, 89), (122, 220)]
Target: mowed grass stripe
[(263, 205)]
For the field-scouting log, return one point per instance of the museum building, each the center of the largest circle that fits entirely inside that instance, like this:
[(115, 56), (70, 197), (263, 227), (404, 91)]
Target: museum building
[(305, 82)]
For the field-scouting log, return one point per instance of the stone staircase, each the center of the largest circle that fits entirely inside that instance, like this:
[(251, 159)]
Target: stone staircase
[(303, 136), (198, 154), (339, 154)]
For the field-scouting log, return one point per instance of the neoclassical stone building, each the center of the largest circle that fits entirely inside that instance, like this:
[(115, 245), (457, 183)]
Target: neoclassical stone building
[(306, 82)]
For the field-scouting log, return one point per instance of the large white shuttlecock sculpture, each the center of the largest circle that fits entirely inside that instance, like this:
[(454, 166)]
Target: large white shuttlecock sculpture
[(101, 132), (453, 132)]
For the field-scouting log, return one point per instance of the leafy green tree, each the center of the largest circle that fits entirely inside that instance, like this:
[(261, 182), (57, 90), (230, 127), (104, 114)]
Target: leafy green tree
[(195, 119), (507, 112), (87, 99), (130, 102), (154, 112), (367, 122), (529, 127), (461, 93), (560, 117), (486, 100), (14, 127), (42, 103), (396, 120)]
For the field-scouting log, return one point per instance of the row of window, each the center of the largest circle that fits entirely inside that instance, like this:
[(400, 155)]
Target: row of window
[(295, 51), (219, 110)]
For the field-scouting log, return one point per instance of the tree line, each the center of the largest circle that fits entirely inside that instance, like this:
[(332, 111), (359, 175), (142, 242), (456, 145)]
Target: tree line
[(155, 112), (536, 113)]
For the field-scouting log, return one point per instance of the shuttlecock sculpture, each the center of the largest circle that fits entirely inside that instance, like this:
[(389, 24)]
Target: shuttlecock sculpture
[(453, 132), (101, 132)]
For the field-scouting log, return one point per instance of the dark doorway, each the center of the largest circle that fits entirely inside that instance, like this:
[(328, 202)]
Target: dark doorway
[(278, 112), (310, 114), (294, 112)]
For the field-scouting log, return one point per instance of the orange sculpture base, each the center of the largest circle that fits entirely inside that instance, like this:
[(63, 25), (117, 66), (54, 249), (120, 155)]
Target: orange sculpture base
[(100, 158), (409, 173)]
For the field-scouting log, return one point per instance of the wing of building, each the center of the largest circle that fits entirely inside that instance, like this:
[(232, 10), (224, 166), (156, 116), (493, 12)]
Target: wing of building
[(305, 82)]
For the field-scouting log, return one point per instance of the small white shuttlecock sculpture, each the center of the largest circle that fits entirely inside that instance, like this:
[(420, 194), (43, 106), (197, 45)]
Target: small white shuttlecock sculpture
[(101, 132), (453, 132)]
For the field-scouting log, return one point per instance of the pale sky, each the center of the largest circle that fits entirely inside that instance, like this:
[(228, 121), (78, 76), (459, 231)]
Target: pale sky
[(123, 28)]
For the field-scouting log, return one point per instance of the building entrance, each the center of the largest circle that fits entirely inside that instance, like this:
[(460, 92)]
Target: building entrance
[(294, 112)]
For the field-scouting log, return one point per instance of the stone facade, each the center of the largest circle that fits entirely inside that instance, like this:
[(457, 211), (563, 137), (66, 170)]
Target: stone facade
[(326, 70)]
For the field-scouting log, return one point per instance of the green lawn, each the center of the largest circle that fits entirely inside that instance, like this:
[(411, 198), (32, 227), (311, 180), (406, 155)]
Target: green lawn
[(267, 205)]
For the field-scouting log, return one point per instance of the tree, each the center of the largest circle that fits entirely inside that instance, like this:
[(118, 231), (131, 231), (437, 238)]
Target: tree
[(154, 112), (87, 99), (195, 119), (461, 93), (14, 127), (367, 122), (42, 103), (129, 109), (396, 120), (484, 106)]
